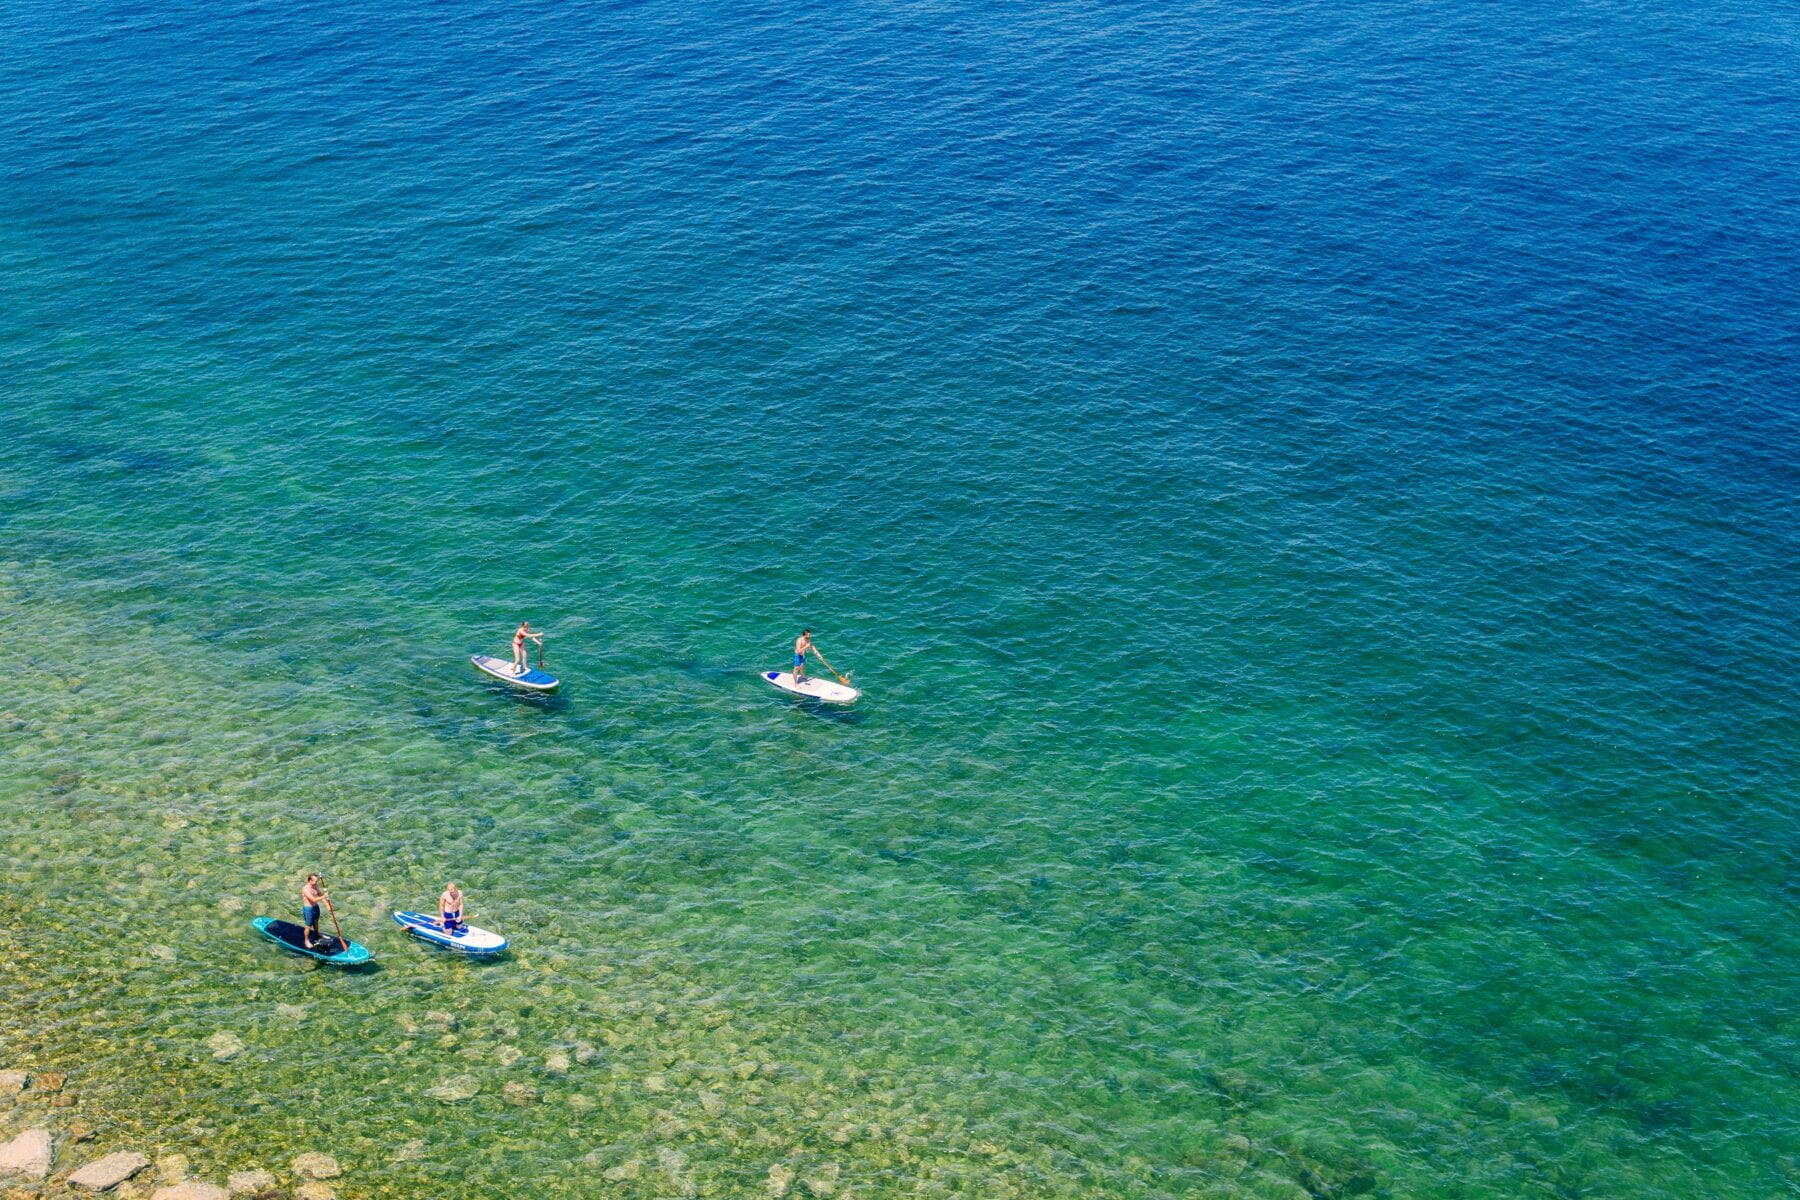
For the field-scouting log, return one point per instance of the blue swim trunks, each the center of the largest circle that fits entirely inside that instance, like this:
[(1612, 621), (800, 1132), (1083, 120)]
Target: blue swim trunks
[(799, 660), (309, 914)]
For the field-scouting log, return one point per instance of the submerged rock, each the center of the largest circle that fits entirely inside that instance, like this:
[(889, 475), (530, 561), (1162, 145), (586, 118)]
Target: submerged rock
[(520, 1094), (172, 1168), (313, 1165), (225, 1045), (13, 1081), (315, 1191), (1236, 1085), (1278, 1187), (557, 1062), (49, 1081), (823, 1182), (191, 1190), (623, 1172), (109, 1172), (712, 1103), (455, 1089), (408, 1151), (27, 1155), (506, 1056), (674, 1166), (250, 1183), (1233, 1156), (290, 1012), (781, 1178)]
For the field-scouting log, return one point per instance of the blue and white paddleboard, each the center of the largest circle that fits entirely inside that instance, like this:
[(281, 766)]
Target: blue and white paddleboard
[(500, 668), (468, 939), (812, 689)]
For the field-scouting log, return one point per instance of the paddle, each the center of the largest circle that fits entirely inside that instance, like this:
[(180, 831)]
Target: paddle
[(831, 668), (342, 944)]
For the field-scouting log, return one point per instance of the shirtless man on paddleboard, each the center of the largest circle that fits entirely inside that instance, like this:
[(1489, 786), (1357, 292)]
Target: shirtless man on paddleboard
[(312, 895), (802, 645), (450, 906)]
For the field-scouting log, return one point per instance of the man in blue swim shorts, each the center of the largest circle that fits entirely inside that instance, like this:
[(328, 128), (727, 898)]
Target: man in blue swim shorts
[(450, 906), (311, 897), (802, 644)]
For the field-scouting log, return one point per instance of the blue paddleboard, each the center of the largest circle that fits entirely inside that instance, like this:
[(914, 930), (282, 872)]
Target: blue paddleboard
[(530, 677), (468, 939), (325, 948)]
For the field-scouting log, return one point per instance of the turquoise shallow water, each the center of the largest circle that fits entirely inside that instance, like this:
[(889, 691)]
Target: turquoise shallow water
[(1309, 496)]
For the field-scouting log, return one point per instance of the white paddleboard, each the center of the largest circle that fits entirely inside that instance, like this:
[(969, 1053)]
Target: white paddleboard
[(500, 668), (813, 689), (468, 939)]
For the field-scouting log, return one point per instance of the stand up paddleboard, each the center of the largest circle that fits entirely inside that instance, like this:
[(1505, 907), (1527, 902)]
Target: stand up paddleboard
[(531, 677), (812, 689), (326, 949), (468, 939)]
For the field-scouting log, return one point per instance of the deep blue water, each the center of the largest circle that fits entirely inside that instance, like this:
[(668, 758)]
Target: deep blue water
[(1309, 491)]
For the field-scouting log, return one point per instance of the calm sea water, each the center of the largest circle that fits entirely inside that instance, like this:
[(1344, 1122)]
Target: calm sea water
[(1309, 492)]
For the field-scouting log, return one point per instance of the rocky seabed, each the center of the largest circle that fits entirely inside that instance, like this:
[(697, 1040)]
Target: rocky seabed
[(51, 1158)]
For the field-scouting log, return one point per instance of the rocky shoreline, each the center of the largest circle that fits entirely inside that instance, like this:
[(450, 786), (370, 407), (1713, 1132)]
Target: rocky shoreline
[(49, 1153), (55, 1160)]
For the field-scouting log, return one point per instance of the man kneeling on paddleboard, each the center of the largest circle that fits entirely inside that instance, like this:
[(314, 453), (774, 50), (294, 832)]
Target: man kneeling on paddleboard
[(450, 906), (312, 895)]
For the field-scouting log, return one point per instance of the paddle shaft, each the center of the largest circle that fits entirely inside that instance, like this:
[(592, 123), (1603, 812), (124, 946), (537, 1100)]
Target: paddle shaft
[(830, 668), (334, 922)]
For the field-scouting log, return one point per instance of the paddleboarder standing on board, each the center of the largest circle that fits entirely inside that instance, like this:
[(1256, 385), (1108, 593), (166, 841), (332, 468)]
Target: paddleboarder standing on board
[(312, 895), (519, 636), (802, 645), (450, 908)]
